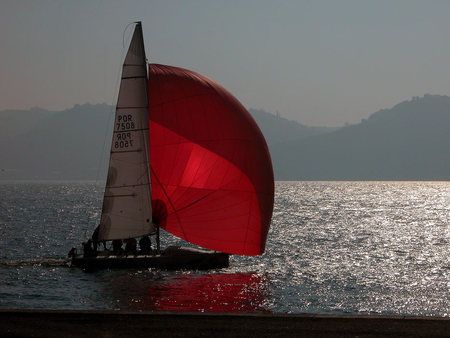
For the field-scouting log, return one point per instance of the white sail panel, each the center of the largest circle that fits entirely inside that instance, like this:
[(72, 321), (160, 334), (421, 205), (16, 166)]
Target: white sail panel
[(126, 211)]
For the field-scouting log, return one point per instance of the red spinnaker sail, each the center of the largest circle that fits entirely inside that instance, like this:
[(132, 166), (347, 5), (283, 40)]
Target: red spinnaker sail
[(212, 177)]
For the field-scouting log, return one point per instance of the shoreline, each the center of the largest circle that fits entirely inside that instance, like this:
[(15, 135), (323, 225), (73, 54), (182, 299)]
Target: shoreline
[(76, 323)]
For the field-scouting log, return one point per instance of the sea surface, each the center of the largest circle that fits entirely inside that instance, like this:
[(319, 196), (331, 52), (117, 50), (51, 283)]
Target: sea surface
[(333, 248)]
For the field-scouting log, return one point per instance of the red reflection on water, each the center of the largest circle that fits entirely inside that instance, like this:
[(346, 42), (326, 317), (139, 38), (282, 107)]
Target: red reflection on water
[(232, 292)]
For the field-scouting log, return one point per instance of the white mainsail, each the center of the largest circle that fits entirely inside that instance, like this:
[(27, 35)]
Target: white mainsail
[(127, 210)]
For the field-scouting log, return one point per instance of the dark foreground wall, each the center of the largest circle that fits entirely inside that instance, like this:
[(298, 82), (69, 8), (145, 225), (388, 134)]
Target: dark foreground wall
[(22, 323)]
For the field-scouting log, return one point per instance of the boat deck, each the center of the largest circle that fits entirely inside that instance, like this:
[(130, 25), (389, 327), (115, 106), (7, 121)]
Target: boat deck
[(171, 258)]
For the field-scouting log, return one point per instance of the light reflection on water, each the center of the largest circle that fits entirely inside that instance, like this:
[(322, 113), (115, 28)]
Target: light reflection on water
[(334, 247), (204, 292)]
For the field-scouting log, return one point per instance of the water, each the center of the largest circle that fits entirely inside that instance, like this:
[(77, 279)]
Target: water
[(334, 247)]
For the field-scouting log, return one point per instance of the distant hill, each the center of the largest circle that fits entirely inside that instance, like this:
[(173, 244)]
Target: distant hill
[(74, 144), (411, 141), (59, 145), (16, 122), (277, 129)]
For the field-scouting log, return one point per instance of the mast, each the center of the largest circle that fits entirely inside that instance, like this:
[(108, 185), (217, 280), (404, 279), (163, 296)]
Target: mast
[(127, 210)]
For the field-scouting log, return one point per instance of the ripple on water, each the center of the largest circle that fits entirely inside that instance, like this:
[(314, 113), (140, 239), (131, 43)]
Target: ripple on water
[(333, 247)]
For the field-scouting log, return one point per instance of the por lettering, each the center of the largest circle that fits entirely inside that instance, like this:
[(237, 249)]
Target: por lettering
[(124, 118), (123, 136)]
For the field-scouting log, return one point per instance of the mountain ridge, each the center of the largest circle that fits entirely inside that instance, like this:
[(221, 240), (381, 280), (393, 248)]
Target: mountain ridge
[(409, 141)]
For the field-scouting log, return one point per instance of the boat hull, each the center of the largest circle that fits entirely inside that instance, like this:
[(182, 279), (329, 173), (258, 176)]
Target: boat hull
[(171, 259)]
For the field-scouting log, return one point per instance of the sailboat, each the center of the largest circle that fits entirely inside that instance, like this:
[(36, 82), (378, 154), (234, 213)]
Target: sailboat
[(188, 158)]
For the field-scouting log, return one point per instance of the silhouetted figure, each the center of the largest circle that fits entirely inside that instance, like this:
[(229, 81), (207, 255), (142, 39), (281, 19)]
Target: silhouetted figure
[(72, 252), (146, 245), (130, 246), (95, 240), (117, 247), (88, 251)]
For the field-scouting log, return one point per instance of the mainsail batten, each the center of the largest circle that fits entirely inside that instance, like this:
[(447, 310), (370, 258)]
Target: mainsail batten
[(126, 211)]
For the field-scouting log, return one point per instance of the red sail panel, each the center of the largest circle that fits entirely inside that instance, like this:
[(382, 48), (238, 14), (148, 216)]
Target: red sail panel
[(212, 177)]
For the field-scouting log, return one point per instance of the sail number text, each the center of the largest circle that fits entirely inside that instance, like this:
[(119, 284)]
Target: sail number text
[(124, 138), (125, 122)]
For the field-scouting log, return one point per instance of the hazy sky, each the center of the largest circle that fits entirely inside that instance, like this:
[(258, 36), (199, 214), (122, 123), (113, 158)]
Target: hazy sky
[(317, 62)]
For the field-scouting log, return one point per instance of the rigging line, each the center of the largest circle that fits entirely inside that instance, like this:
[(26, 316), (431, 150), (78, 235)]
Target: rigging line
[(196, 201), (107, 128), (100, 163), (169, 200), (124, 31), (215, 209)]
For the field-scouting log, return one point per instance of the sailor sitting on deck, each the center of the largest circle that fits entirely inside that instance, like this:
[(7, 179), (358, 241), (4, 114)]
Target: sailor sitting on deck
[(130, 246), (117, 247), (146, 245), (88, 251), (95, 240), (72, 252)]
